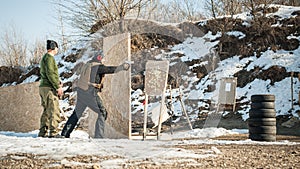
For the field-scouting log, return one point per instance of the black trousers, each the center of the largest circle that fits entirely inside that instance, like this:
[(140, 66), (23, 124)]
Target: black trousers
[(91, 100)]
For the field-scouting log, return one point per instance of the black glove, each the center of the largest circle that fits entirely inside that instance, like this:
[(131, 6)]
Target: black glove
[(105, 115)]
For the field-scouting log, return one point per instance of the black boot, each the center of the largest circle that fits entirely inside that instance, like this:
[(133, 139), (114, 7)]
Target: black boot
[(70, 125)]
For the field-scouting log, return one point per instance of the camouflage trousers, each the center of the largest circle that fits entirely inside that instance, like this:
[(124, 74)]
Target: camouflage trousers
[(51, 114)]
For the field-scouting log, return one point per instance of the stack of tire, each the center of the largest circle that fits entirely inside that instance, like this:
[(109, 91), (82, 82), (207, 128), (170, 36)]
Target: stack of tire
[(262, 118)]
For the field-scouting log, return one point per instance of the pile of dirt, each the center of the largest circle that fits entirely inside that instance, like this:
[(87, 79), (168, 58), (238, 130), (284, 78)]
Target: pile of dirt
[(260, 33), (274, 74), (9, 74), (17, 75)]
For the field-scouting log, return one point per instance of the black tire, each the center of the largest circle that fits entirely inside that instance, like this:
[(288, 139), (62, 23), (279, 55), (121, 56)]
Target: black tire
[(262, 137), (262, 113), (263, 105), (261, 122), (263, 98), (262, 129)]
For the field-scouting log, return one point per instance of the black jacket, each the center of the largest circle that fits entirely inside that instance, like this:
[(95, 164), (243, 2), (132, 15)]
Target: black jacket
[(98, 73)]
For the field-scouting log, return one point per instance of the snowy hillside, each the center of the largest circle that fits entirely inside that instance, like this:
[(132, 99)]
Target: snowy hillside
[(262, 62), (203, 53)]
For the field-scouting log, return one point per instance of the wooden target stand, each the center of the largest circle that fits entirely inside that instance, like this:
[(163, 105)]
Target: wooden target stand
[(156, 82), (155, 85), (227, 94)]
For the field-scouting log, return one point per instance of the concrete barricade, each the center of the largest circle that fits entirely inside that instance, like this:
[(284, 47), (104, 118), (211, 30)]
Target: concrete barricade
[(20, 107)]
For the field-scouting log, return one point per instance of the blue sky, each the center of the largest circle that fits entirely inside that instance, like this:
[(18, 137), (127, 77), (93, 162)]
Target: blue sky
[(33, 18)]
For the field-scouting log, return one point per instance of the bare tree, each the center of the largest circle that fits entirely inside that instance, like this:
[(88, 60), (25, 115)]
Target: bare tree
[(37, 52), (189, 10), (214, 7), (193, 10), (232, 7), (13, 47), (177, 11), (254, 6), (63, 36), (160, 12), (87, 16), (223, 7)]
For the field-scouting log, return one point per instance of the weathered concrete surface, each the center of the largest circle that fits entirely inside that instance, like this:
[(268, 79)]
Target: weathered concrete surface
[(116, 90), (20, 108)]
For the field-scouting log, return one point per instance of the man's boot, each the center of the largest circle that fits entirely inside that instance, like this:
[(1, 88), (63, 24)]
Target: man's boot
[(43, 132), (70, 125)]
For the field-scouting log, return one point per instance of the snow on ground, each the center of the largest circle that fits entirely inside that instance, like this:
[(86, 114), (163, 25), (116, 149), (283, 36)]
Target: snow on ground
[(161, 151), (81, 144)]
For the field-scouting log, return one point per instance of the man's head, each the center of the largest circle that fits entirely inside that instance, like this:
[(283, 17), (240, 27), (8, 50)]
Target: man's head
[(98, 56), (52, 46)]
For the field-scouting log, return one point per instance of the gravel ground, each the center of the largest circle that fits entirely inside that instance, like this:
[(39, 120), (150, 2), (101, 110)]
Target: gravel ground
[(221, 156), (237, 156)]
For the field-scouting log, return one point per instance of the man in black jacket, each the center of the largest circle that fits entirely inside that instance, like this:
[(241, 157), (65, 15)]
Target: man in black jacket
[(90, 98)]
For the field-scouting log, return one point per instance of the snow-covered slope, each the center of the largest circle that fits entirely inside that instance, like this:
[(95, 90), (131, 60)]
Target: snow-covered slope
[(195, 89)]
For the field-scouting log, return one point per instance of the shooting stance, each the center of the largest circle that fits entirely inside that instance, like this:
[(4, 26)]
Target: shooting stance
[(88, 86)]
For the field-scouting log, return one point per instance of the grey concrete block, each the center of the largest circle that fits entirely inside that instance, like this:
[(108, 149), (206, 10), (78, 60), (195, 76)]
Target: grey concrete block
[(20, 107)]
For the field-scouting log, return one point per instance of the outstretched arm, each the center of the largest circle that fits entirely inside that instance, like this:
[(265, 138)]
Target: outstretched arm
[(112, 69), (106, 69)]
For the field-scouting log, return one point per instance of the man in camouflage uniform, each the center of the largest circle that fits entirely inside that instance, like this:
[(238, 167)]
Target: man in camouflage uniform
[(50, 89)]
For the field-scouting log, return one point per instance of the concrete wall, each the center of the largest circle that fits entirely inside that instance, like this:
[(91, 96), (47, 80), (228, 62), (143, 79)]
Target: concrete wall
[(116, 90), (20, 108)]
